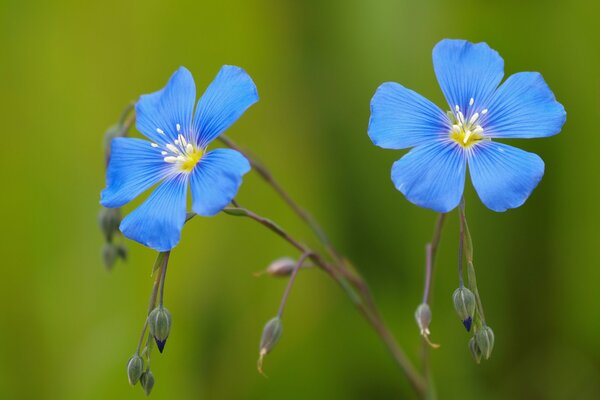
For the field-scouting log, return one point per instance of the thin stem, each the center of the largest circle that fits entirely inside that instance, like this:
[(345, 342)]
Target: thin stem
[(291, 281), (461, 244), (468, 243), (301, 212), (164, 276), (157, 282), (371, 315), (430, 253)]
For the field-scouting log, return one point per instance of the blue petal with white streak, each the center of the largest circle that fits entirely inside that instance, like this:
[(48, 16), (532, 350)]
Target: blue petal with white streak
[(216, 180), (402, 118), (503, 176), (432, 175), (134, 167), (467, 71), (162, 111), (224, 101), (524, 107), (157, 223)]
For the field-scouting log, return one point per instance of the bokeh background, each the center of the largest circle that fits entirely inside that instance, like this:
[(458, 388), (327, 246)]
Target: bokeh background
[(68, 326)]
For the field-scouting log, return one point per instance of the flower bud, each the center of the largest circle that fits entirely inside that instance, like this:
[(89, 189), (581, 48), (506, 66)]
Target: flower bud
[(147, 382), (159, 322), (423, 318), (135, 366), (281, 267), (122, 251), (464, 304), (109, 220), (485, 340), (475, 350), (110, 252), (270, 336)]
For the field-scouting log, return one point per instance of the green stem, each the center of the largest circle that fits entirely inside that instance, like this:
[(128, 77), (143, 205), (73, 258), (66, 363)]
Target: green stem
[(468, 249), (161, 262), (291, 281), (371, 315), (304, 215)]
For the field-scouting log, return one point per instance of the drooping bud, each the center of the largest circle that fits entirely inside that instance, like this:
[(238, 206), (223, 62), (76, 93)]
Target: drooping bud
[(485, 341), (147, 382), (270, 336), (122, 251), (109, 220), (464, 304), (475, 350), (280, 267), (159, 322), (110, 252), (135, 367), (423, 318)]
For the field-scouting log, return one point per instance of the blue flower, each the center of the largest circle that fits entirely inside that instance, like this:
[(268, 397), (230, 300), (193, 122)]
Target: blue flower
[(176, 154), (432, 174)]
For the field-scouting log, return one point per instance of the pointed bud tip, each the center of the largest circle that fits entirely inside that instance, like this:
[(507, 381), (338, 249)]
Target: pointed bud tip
[(160, 344), (467, 323)]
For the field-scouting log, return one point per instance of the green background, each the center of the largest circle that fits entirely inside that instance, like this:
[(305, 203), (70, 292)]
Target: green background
[(67, 326)]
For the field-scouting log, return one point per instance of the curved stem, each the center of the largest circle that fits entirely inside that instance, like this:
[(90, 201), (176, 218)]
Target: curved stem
[(291, 281), (161, 265), (348, 278), (430, 253), (304, 215), (369, 312)]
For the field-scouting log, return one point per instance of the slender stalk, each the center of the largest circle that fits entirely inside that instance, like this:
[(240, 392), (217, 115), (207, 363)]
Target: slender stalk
[(291, 281), (164, 277), (162, 259), (468, 244), (430, 254), (461, 244), (415, 379), (301, 212)]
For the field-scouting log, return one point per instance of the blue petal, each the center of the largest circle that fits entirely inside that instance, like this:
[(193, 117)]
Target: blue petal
[(467, 71), (225, 100), (157, 223), (216, 180), (133, 168), (503, 176), (432, 175), (402, 118), (164, 109), (524, 107)]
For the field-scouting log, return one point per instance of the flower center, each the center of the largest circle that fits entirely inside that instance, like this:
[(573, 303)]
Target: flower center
[(466, 131), (183, 154)]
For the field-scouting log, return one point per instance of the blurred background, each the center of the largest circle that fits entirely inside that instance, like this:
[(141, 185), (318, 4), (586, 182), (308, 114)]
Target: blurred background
[(68, 326)]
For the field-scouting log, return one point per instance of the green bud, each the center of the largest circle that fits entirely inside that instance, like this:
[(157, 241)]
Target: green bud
[(475, 350), (110, 253), (135, 366), (109, 220), (423, 318), (485, 341), (281, 267), (464, 304), (122, 251), (270, 336), (159, 322), (147, 382)]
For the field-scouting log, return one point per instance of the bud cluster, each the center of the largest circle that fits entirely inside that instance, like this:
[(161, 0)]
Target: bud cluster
[(109, 220)]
